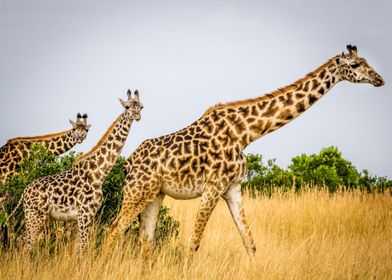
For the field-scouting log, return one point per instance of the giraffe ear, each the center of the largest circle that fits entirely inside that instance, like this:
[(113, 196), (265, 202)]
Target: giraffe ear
[(72, 123), (88, 126), (123, 103)]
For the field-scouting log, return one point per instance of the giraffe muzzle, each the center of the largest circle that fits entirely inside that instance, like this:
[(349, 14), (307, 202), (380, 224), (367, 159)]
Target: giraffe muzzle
[(378, 81)]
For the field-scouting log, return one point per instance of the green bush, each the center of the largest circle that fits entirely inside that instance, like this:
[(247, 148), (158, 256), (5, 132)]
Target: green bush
[(325, 169), (328, 168), (263, 179)]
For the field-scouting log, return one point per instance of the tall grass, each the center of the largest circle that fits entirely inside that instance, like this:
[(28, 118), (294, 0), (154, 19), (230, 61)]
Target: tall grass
[(307, 235)]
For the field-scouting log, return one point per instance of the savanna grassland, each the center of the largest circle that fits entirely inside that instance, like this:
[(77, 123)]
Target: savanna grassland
[(307, 235)]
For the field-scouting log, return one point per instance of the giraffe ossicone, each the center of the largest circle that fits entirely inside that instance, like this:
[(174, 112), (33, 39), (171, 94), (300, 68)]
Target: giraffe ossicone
[(76, 194), (205, 159)]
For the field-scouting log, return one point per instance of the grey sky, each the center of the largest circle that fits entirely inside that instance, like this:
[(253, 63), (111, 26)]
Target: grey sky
[(58, 58)]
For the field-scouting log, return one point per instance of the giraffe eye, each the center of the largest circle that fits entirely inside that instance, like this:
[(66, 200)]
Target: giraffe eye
[(355, 65)]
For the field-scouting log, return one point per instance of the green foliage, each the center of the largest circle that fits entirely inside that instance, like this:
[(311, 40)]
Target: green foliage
[(262, 179), (167, 226), (113, 192), (326, 169), (372, 183)]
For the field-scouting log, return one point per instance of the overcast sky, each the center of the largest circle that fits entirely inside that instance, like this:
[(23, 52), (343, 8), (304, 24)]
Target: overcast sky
[(58, 58)]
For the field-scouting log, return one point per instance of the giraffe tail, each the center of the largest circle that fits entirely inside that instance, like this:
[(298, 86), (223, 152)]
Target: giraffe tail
[(4, 236), (15, 209), (5, 226)]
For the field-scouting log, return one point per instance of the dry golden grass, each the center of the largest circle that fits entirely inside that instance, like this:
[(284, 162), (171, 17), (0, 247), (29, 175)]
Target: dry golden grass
[(312, 235)]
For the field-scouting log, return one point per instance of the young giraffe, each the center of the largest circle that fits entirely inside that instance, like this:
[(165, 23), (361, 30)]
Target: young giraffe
[(12, 153), (205, 159), (77, 193)]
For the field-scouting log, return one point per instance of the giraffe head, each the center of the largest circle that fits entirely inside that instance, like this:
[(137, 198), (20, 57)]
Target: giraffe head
[(80, 128), (132, 106), (356, 69)]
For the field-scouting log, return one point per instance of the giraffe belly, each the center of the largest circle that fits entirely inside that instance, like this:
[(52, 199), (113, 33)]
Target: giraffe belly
[(64, 215), (181, 193)]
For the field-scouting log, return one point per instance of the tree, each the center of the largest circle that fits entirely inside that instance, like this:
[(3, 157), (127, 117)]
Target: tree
[(263, 178), (328, 168)]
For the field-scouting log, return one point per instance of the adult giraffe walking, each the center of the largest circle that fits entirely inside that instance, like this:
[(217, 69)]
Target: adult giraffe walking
[(205, 159)]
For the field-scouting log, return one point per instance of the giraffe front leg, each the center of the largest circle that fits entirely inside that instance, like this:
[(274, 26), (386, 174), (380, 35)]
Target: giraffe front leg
[(148, 223), (233, 198), (209, 199)]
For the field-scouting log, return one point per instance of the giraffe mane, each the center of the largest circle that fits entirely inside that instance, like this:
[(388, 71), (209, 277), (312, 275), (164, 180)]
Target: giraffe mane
[(100, 142), (37, 138), (272, 94)]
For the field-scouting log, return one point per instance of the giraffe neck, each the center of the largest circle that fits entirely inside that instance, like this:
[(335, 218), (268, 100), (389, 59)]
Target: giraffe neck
[(248, 120), (56, 143), (100, 159), (60, 144), (12, 154)]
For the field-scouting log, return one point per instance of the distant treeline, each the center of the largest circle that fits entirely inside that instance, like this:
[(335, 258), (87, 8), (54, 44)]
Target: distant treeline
[(327, 169)]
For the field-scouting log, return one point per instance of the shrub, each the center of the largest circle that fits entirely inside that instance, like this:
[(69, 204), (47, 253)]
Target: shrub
[(326, 169), (262, 179)]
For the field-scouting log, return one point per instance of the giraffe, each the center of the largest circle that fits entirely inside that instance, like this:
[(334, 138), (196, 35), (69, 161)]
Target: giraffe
[(16, 149), (76, 194), (205, 159)]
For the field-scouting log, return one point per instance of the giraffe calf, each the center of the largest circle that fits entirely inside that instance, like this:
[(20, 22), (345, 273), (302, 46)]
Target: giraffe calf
[(60, 197)]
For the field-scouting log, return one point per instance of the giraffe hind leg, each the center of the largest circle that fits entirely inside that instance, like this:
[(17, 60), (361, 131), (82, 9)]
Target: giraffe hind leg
[(148, 223), (35, 223), (131, 207), (233, 198)]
